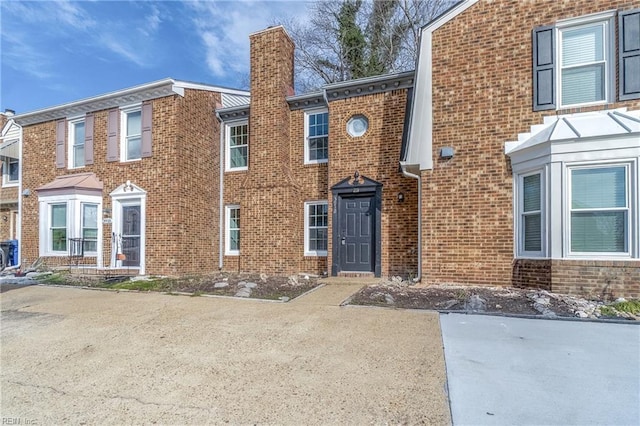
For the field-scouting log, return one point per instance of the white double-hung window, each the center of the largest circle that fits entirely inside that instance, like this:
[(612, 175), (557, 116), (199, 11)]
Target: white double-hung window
[(585, 63), (131, 139), (10, 171), (76, 142), (316, 222), (599, 209), (237, 146), (531, 234), (316, 148), (233, 230)]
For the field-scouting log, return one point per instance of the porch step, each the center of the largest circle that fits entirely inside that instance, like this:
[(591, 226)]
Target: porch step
[(356, 274), (361, 280)]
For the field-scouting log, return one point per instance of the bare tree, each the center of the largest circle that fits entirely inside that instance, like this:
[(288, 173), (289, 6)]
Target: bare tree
[(347, 39)]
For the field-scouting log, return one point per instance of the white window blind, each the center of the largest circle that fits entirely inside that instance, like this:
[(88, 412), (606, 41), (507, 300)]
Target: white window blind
[(599, 211), (531, 213), (583, 64)]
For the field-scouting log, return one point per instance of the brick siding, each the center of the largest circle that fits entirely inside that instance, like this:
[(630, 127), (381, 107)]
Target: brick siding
[(482, 97)]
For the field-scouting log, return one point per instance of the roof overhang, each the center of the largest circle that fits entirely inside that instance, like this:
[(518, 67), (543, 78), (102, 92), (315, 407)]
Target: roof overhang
[(368, 85), (10, 149), (145, 92), (240, 112)]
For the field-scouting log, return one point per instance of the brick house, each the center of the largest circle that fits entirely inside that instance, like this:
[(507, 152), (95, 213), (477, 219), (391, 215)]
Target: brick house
[(319, 188), (525, 138), (164, 178), (465, 175), (124, 179)]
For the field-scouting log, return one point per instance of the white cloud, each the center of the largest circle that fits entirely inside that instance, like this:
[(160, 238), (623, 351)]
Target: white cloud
[(18, 54), (123, 49), (224, 28)]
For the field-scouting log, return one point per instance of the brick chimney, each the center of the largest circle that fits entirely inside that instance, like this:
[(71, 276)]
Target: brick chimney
[(271, 208), (271, 83)]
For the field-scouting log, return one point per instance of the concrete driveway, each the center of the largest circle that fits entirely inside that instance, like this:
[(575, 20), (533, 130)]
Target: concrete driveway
[(513, 371), (94, 357)]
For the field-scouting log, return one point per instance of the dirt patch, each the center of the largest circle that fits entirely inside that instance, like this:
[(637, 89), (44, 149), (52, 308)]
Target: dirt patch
[(497, 300), (239, 285)]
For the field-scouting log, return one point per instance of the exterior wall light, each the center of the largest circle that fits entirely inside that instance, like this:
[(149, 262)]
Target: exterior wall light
[(446, 152)]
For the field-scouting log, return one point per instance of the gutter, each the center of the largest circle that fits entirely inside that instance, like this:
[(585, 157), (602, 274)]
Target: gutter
[(221, 196), (20, 196), (408, 174)]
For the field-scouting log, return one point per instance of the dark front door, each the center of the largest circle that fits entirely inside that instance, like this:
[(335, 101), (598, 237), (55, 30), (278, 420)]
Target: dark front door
[(357, 224), (131, 235)]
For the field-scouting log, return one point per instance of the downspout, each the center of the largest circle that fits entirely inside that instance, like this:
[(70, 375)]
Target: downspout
[(19, 227), (221, 197), (419, 179)]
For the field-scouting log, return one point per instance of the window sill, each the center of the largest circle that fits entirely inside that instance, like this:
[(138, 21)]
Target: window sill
[(55, 254), (525, 256), (309, 163), (234, 253), (238, 169), (11, 184), (315, 254), (600, 256)]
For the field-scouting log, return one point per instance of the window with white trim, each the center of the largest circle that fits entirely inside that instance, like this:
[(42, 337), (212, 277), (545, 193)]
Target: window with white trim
[(58, 227), (237, 146), (76, 143), (581, 61), (585, 63), (530, 201), (66, 217), (599, 209), (10, 171), (316, 135), (233, 230), (316, 225), (131, 134), (90, 227)]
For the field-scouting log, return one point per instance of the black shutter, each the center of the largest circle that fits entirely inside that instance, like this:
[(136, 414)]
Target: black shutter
[(544, 73), (629, 54)]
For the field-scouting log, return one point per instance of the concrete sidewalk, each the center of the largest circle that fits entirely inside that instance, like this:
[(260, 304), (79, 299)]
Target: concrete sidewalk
[(513, 371), (98, 357)]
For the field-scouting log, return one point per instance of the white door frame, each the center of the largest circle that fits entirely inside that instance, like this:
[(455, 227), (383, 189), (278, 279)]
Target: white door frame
[(129, 194)]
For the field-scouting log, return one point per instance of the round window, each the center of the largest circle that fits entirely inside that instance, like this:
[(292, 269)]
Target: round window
[(357, 125)]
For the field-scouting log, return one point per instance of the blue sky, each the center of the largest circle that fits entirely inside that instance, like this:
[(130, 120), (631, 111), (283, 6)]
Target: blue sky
[(53, 52)]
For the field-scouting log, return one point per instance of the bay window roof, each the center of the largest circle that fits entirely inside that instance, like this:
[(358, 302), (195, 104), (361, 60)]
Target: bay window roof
[(619, 122)]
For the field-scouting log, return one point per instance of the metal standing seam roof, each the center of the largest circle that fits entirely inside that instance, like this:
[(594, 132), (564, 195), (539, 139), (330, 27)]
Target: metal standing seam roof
[(85, 181), (619, 122)]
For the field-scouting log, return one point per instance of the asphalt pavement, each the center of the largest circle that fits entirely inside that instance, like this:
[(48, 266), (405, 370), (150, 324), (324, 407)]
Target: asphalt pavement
[(514, 371)]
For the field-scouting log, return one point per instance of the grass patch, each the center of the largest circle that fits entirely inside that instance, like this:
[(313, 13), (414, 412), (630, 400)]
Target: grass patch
[(56, 278), (615, 309), (628, 306), (144, 285)]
